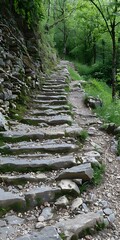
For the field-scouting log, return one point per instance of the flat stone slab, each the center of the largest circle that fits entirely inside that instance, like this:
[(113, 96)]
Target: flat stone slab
[(19, 136), (31, 147), (7, 164), (47, 233), (22, 179), (44, 97), (53, 107), (9, 200), (38, 196), (49, 112), (73, 227), (83, 171), (54, 120), (54, 102)]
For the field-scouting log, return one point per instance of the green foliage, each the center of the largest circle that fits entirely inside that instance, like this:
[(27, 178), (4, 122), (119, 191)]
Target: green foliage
[(74, 75), (110, 111), (30, 10), (118, 147), (82, 136)]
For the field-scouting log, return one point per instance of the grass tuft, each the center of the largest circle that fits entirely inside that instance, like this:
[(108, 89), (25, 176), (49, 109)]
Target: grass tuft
[(99, 171)]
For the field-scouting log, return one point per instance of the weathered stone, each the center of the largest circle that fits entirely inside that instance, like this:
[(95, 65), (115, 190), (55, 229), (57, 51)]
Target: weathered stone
[(73, 227), (62, 202), (107, 211), (93, 102), (22, 178), (47, 233), (31, 147), (3, 223), (3, 123), (83, 171), (46, 214), (76, 203), (92, 154), (22, 164), (69, 186), (111, 218), (38, 196), (9, 200), (14, 220)]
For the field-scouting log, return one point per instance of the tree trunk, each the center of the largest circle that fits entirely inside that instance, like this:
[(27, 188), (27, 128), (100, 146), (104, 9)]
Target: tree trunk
[(113, 64)]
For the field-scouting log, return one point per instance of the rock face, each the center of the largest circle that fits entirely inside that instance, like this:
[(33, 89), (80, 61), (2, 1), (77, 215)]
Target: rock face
[(21, 64)]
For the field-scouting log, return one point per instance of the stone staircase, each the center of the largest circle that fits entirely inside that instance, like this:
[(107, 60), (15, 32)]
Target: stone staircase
[(41, 173)]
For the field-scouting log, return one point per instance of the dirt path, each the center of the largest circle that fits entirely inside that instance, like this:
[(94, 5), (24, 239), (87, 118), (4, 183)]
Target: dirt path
[(109, 190)]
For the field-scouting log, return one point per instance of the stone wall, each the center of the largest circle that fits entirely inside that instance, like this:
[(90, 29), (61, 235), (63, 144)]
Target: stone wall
[(20, 61)]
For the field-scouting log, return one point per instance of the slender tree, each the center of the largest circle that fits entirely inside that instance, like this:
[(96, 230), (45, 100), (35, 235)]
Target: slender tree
[(110, 11)]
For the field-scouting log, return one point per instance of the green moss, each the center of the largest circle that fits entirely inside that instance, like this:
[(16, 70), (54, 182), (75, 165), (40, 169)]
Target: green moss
[(62, 235)]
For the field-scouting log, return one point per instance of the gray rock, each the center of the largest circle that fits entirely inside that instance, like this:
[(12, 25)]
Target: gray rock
[(38, 196), (107, 211), (12, 201), (69, 186), (76, 203), (62, 202), (3, 123), (22, 178), (47, 233), (5, 232), (31, 147), (14, 220), (46, 214), (3, 223), (92, 154), (73, 227), (111, 218), (93, 102), (52, 163), (83, 171)]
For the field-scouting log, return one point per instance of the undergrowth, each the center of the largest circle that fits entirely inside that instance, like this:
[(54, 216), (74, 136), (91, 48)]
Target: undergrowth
[(110, 110)]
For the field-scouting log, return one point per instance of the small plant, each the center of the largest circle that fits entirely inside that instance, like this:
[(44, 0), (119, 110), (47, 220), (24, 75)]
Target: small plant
[(82, 136), (118, 147), (62, 235), (99, 170), (100, 226), (84, 187)]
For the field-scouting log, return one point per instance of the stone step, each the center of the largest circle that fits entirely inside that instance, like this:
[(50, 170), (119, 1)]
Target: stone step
[(55, 82), (8, 164), (18, 136), (50, 102), (55, 120), (82, 171), (58, 87), (22, 179), (9, 201), (49, 112), (44, 97), (52, 90), (54, 93), (32, 198), (53, 107), (35, 147), (37, 196)]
